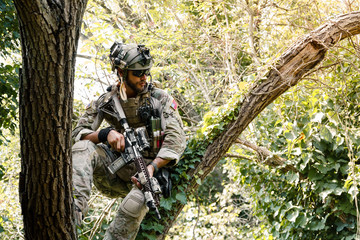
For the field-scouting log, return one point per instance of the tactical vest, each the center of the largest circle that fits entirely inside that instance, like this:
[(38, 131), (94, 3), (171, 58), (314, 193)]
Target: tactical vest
[(130, 108)]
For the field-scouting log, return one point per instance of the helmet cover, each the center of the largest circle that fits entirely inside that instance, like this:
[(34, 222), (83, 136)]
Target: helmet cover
[(130, 57)]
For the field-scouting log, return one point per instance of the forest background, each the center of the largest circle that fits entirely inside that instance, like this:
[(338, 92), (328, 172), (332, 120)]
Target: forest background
[(208, 54)]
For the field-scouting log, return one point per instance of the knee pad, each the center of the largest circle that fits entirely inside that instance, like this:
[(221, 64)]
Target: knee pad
[(134, 203)]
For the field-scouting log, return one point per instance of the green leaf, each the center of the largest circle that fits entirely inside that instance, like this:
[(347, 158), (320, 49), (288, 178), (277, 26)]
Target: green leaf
[(351, 237), (305, 159), (296, 151), (166, 203), (181, 197), (315, 175), (333, 117), (339, 140), (290, 136), (294, 213), (157, 227), (353, 191), (325, 193), (317, 225), (301, 220), (341, 226), (289, 103), (2, 171), (323, 168), (338, 191), (292, 177), (198, 181), (326, 134)]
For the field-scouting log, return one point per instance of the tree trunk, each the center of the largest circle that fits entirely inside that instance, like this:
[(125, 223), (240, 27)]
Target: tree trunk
[(49, 36), (296, 61)]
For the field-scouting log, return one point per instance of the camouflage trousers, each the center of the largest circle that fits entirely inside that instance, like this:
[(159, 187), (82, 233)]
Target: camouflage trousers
[(89, 167)]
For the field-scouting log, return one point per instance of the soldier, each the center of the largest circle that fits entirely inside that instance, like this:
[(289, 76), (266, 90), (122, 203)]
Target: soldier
[(94, 150)]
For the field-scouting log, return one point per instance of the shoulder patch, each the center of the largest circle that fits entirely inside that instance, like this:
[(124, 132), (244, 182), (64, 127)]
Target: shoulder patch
[(174, 104)]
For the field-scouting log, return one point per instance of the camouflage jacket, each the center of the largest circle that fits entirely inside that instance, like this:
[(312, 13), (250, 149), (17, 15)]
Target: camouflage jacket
[(174, 141)]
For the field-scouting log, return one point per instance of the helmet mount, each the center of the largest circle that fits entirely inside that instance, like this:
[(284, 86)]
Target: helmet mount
[(130, 57)]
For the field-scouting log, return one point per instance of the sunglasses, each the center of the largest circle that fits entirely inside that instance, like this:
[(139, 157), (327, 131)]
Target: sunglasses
[(140, 73)]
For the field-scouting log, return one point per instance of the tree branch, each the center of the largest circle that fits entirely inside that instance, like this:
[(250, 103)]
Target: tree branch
[(289, 69), (268, 158), (296, 61)]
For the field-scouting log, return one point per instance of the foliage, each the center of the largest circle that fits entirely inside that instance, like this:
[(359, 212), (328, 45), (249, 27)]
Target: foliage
[(9, 80), (221, 214), (10, 215), (101, 211), (203, 50), (212, 52), (8, 98), (321, 139), (9, 30)]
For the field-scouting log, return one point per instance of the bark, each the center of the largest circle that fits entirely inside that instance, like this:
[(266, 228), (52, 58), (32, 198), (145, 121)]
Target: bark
[(291, 66), (49, 35)]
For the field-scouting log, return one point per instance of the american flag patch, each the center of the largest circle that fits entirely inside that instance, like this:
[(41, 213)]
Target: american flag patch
[(174, 104)]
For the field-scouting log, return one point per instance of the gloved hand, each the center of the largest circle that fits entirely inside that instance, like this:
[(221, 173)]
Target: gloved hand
[(136, 181)]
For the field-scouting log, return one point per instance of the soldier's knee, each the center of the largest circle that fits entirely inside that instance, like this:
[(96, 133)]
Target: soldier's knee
[(134, 204), (82, 152)]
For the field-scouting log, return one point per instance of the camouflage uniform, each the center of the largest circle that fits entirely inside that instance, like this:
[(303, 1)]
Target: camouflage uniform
[(90, 160)]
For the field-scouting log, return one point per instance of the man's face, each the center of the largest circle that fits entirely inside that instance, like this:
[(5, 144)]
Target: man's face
[(136, 83)]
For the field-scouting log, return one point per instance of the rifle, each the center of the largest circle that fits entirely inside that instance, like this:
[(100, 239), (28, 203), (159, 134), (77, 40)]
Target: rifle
[(134, 145)]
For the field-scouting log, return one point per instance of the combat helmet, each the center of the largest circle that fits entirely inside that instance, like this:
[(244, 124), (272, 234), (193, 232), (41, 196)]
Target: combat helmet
[(130, 57)]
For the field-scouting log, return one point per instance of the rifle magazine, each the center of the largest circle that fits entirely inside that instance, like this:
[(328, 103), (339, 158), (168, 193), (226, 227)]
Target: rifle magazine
[(116, 165)]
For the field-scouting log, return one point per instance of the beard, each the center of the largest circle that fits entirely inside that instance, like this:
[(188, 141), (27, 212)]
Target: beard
[(134, 87)]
